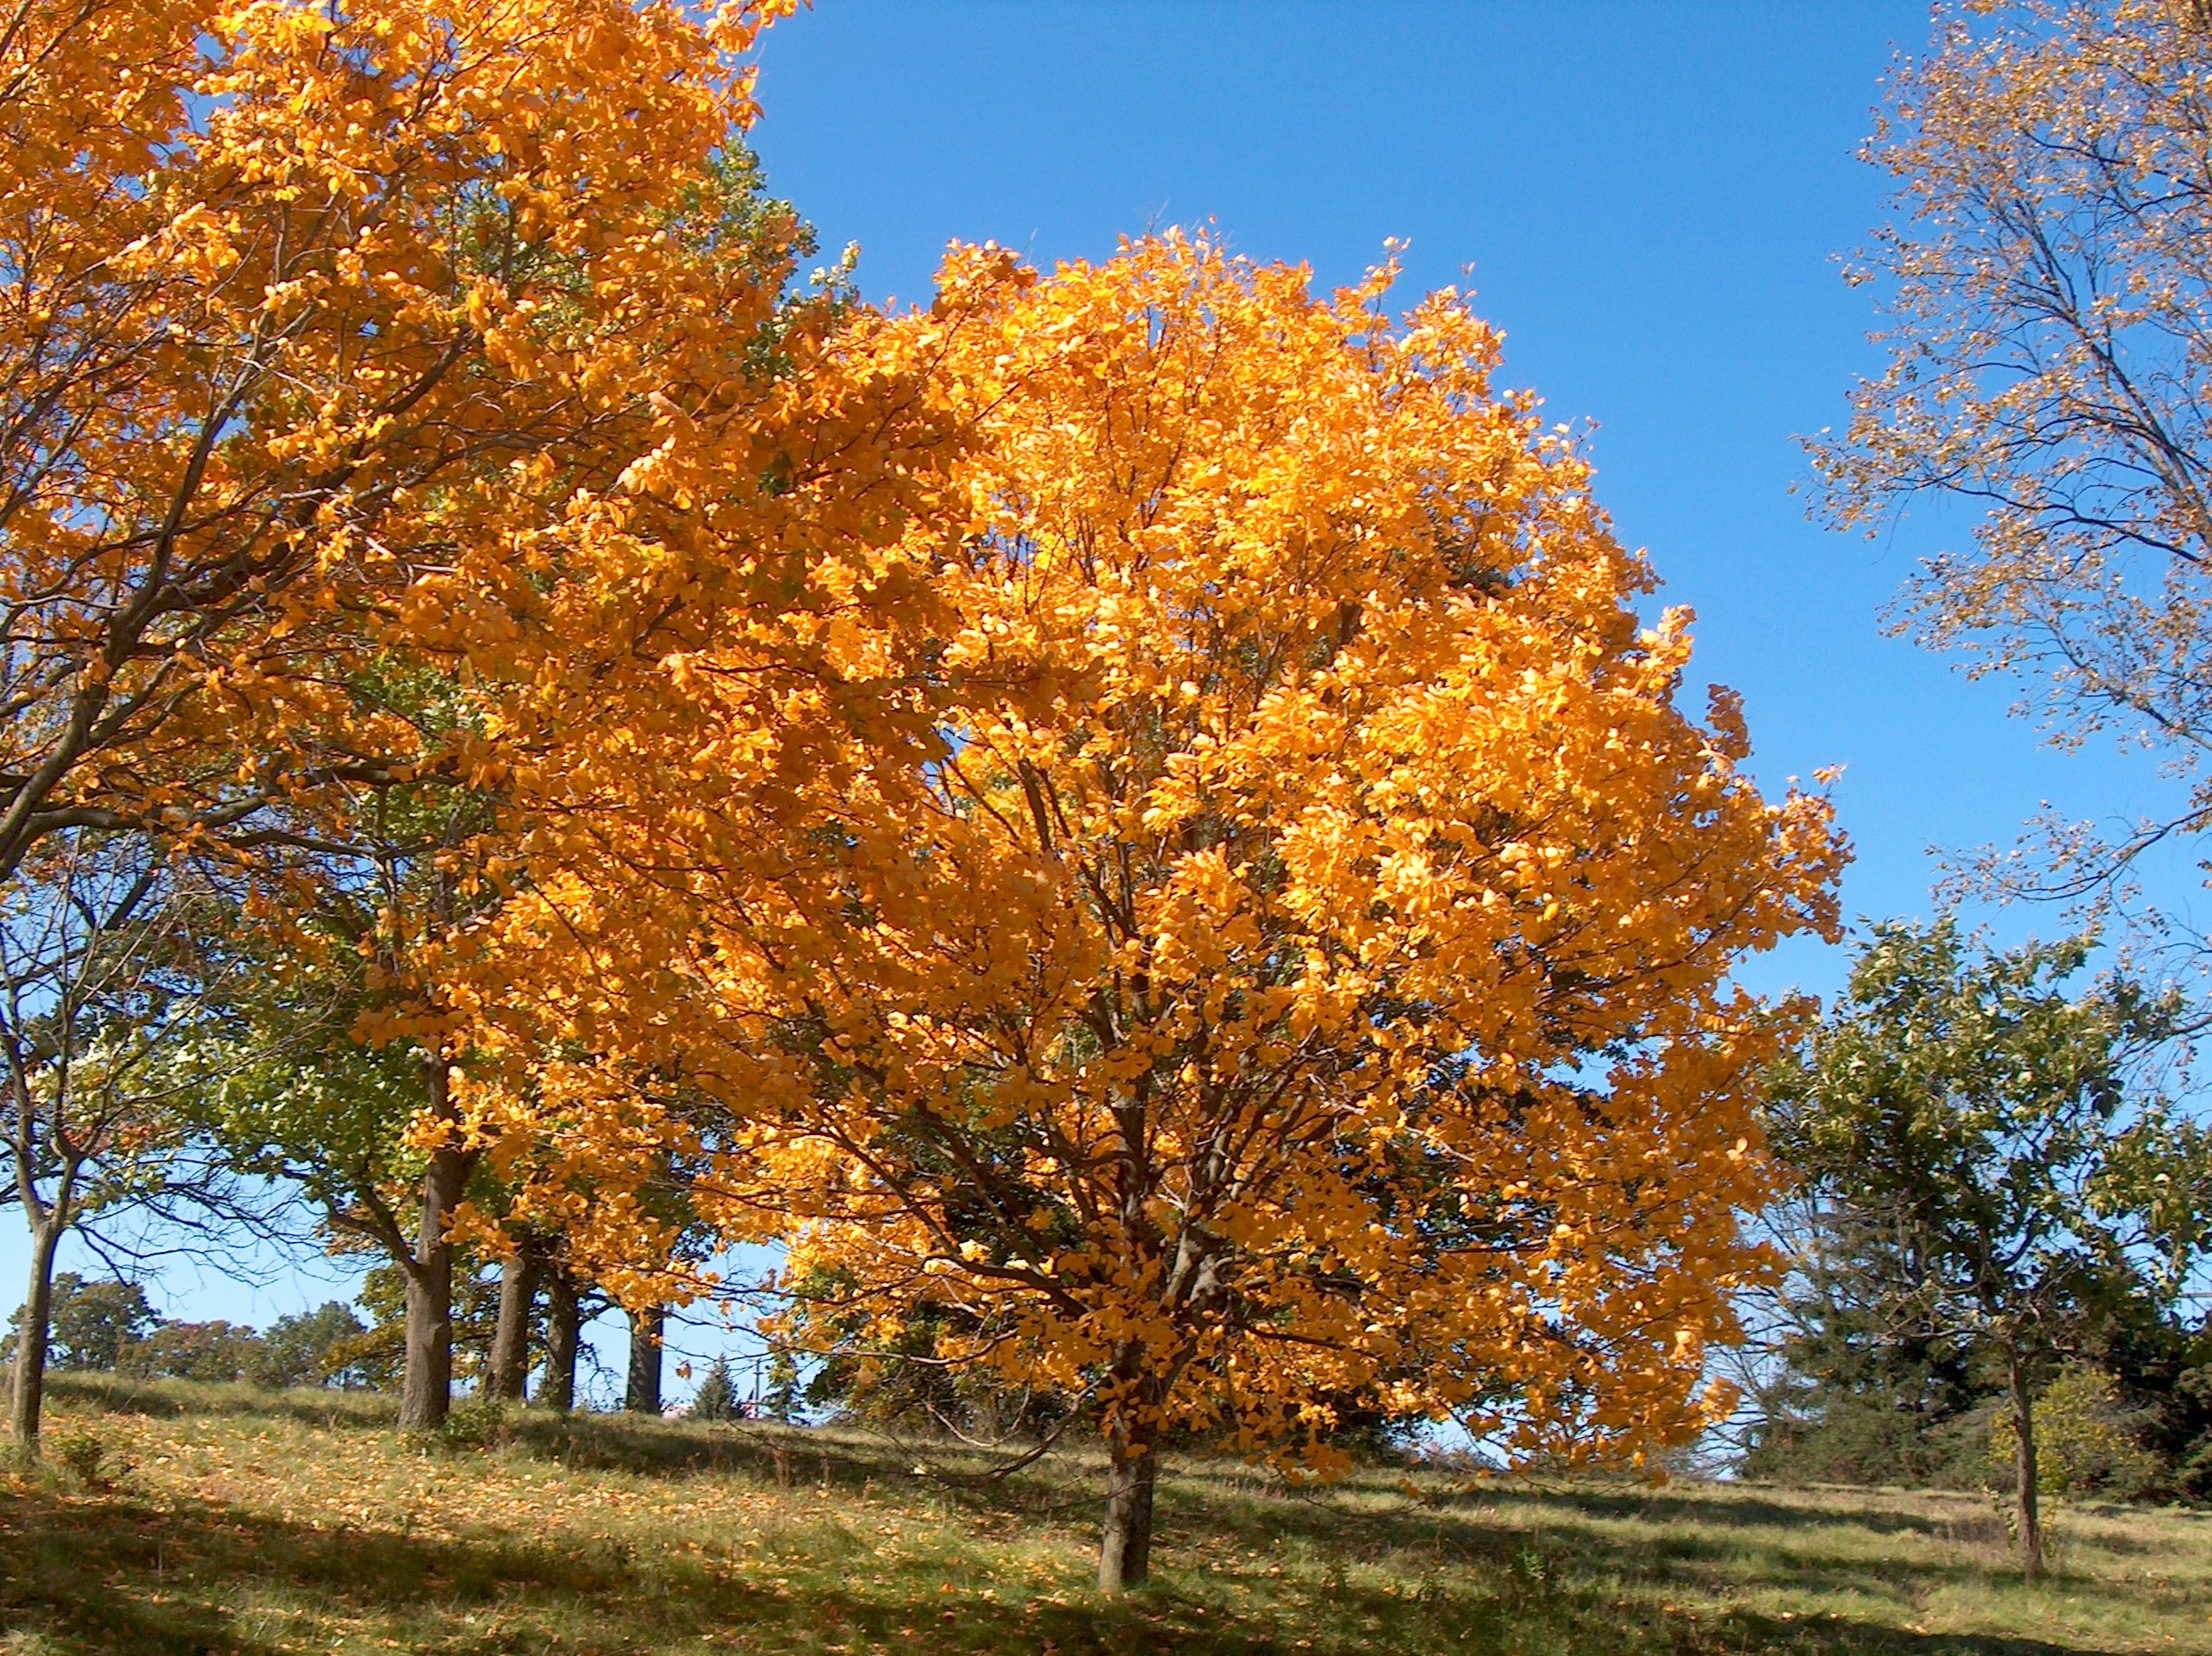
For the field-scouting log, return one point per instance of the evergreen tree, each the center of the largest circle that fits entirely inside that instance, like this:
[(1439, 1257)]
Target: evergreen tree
[(717, 1398)]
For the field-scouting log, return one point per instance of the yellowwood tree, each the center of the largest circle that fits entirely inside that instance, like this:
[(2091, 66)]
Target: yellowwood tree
[(1301, 970)]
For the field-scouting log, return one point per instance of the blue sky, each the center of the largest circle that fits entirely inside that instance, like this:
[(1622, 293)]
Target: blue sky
[(1651, 195)]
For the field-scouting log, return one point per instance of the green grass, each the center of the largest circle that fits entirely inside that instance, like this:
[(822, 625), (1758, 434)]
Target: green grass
[(220, 1520)]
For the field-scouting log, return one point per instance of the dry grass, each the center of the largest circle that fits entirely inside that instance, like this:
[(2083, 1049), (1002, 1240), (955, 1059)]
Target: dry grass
[(217, 1520)]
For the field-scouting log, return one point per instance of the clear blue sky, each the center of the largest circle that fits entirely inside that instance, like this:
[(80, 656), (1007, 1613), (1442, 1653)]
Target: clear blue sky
[(1651, 195)]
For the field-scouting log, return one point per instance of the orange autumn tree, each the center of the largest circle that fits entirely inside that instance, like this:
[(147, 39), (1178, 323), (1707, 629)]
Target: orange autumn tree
[(298, 303), (358, 354), (1302, 970)]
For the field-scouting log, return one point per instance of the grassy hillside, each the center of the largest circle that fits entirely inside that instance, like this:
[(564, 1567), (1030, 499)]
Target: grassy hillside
[(220, 1521)]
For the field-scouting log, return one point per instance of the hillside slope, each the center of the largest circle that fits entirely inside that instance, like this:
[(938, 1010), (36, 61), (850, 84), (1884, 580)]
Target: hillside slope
[(204, 1519)]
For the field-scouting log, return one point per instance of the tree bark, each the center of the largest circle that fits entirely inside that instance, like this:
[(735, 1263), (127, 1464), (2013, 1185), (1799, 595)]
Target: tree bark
[(1125, 1550), (426, 1385), (563, 1324), (643, 1394), (32, 1334), (2025, 1490), (510, 1345)]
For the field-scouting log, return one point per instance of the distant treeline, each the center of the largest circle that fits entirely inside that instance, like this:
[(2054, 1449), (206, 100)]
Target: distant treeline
[(110, 1327)]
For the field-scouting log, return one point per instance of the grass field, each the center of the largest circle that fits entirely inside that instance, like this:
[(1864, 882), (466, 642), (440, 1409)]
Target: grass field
[(222, 1521)]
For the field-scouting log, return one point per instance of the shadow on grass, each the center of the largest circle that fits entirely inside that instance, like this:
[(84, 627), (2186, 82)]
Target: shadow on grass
[(1685, 1544), (90, 1575), (787, 1457), (1742, 1512), (644, 1445), (1503, 1568)]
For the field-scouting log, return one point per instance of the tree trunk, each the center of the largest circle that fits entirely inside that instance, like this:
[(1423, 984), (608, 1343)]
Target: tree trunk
[(31, 1336), (426, 1387), (563, 1324), (2025, 1490), (646, 1326), (1125, 1551), (510, 1345)]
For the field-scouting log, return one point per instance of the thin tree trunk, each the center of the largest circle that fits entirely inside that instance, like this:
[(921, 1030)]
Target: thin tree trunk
[(1125, 1550), (510, 1345), (32, 1334), (426, 1385), (2025, 1490), (564, 1325), (643, 1395)]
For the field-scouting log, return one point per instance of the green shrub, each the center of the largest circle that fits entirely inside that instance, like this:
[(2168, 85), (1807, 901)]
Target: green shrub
[(85, 1456), (2087, 1441), (478, 1423)]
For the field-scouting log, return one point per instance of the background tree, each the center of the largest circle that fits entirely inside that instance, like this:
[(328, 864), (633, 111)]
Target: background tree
[(717, 1399), (642, 1371), (106, 968), (570, 1304), (521, 1274), (420, 852), (111, 1327), (298, 1095), (89, 1324), (213, 1352), (1837, 1393), (2160, 1359), (1992, 1132), (362, 896), (303, 1349), (860, 1370), (1841, 1392), (380, 1352), (2048, 288)]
